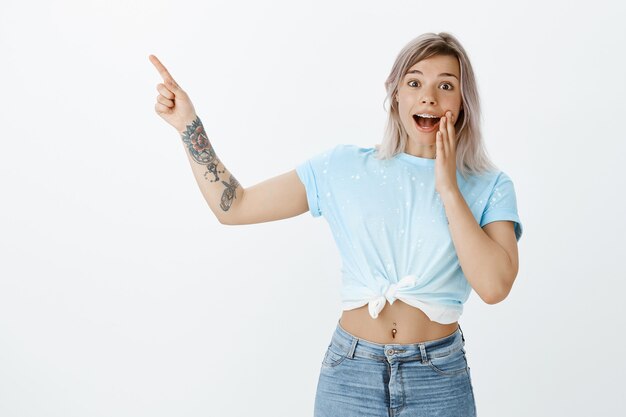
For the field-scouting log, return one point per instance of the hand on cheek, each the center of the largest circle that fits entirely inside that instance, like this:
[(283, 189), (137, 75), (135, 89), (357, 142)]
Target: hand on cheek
[(445, 163)]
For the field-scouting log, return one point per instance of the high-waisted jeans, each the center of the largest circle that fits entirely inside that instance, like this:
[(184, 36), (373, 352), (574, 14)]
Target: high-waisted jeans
[(359, 378)]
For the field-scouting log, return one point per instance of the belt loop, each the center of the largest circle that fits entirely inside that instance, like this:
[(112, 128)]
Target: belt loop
[(423, 353), (462, 337), (352, 348)]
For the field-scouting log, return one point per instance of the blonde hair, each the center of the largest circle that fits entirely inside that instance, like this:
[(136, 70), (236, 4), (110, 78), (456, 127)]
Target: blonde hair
[(471, 155)]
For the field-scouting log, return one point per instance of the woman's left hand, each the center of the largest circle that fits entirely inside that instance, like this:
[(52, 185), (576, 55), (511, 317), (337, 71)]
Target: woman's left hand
[(445, 161)]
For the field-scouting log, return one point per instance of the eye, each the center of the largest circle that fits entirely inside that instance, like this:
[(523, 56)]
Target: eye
[(450, 86)]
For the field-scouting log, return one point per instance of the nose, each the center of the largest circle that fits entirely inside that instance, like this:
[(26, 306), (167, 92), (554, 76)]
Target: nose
[(428, 96)]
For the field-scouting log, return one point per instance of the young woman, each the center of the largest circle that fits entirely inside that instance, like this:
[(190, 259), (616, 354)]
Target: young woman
[(420, 220)]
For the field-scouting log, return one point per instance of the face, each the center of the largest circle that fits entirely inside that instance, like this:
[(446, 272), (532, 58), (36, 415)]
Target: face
[(424, 90)]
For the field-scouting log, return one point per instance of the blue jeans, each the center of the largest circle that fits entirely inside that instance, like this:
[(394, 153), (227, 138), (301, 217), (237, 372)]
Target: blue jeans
[(359, 378)]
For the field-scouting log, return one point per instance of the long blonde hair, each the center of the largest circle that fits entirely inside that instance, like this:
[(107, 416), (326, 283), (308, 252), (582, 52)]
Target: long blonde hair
[(471, 155)]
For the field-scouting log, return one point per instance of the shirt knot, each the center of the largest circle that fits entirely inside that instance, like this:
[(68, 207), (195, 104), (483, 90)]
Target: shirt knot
[(377, 303)]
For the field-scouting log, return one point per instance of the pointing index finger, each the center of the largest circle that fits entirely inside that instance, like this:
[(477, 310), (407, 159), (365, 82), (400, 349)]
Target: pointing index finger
[(165, 74)]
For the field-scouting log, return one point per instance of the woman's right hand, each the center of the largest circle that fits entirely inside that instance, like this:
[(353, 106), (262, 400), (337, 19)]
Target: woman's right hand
[(173, 104)]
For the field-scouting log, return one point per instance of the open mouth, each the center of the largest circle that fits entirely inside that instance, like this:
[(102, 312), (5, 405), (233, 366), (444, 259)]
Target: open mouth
[(426, 124)]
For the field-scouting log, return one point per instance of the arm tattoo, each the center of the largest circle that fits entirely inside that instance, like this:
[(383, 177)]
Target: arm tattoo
[(200, 149), (229, 193)]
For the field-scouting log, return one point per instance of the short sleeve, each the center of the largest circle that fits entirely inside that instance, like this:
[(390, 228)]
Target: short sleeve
[(312, 174), (502, 204)]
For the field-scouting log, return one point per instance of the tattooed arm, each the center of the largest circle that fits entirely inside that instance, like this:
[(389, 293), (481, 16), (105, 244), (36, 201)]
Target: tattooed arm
[(276, 198), (219, 187)]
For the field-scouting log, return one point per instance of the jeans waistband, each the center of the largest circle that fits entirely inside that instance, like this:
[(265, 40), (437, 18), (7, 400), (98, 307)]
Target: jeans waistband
[(349, 344)]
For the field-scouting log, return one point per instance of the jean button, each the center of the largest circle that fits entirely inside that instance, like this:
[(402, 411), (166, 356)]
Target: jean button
[(389, 351)]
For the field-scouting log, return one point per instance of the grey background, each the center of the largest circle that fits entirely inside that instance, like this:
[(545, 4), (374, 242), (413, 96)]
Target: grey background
[(122, 295)]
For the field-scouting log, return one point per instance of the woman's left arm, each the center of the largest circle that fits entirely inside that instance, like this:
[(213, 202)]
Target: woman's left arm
[(488, 255)]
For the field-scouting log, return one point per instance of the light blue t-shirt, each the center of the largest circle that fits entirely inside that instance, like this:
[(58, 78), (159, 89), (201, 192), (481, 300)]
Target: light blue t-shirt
[(391, 228)]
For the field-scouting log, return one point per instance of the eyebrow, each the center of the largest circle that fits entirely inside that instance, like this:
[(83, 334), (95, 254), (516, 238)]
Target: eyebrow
[(444, 74)]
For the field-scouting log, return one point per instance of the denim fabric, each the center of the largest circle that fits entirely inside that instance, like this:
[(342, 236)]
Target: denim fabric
[(359, 378)]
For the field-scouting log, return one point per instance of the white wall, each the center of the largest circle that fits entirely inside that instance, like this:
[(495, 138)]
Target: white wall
[(122, 295)]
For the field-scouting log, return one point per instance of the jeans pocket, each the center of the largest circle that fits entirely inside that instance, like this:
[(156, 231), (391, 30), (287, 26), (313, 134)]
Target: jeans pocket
[(452, 364), (335, 354)]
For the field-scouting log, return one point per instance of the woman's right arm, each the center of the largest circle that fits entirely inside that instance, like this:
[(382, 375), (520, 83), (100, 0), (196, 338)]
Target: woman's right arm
[(277, 198)]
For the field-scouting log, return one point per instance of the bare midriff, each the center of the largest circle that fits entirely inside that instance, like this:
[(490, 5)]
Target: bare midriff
[(396, 323)]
